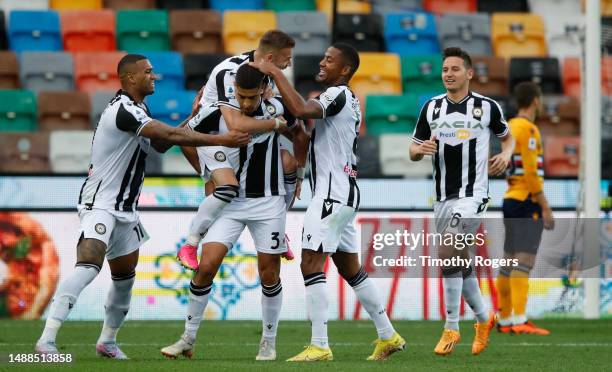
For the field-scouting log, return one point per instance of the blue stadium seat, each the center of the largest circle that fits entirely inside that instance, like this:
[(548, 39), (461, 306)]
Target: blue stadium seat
[(34, 30), (411, 33), (171, 107), (168, 66), (223, 5)]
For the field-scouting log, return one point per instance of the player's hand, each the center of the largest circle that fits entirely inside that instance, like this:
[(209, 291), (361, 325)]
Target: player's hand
[(498, 164), (547, 218), (195, 105), (234, 138), (429, 147), (282, 123), (268, 92), (264, 66)]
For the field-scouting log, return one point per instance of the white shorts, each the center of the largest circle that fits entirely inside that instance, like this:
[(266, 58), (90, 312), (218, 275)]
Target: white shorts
[(216, 157), (122, 236), (265, 217), (329, 227), (460, 215)]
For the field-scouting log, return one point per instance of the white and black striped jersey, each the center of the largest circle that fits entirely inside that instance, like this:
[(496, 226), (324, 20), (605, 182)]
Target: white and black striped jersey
[(118, 155), (220, 84), (461, 130), (333, 145), (258, 165)]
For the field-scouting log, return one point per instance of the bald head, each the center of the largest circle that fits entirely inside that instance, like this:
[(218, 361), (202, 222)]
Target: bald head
[(136, 75), (128, 64)]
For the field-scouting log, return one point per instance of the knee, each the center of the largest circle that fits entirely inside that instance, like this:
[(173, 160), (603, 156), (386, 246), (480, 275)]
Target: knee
[(269, 276), (205, 274)]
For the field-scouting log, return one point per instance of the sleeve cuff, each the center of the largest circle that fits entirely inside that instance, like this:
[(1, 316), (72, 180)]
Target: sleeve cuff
[(417, 141), (142, 126), (227, 104), (503, 134), (320, 104)]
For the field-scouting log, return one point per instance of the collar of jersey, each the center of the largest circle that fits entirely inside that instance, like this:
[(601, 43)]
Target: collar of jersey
[(123, 92), (460, 102)]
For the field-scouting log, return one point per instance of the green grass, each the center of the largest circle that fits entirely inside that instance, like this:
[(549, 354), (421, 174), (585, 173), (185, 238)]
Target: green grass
[(584, 345)]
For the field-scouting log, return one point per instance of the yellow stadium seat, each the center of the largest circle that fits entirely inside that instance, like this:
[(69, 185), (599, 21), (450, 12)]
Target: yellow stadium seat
[(344, 6), (606, 8), (242, 30), (518, 35), (75, 4), (378, 73)]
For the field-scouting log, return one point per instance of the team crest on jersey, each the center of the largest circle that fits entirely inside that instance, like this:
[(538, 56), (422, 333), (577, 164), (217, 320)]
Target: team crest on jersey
[(220, 156), (100, 228), (477, 112), (271, 109)]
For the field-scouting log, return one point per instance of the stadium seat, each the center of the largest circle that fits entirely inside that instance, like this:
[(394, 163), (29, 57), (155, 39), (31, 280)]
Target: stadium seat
[(471, 32), (344, 6), (571, 77), (378, 73), (561, 116), (290, 5), (368, 160), (9, 70), (171, 107), (606, 34), (75, 4), (17, 111), (70, 151), (562, 156), (242, 30), (88, 30), (422, 74), (10, 5), (493, 6), (411, 33), (24, 153), (449, 6), (99, 101), (223, 5), (198, 68), (34, 30), (183, 4), (551, 8), (51, 71), (97, 70), (396, 6), (190, 35), (395, 159), (606, 113), (490, 76), (543, 71), (142, 30), (362, 31), (392, 113), (606, 76), (63, 111), (563, 34), (518, 35), (3, 41), (309, 29), (168, 66), (129, 4), (304, 70)]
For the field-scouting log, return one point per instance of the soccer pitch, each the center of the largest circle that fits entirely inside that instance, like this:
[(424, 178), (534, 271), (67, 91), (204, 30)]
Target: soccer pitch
[(232, 345)]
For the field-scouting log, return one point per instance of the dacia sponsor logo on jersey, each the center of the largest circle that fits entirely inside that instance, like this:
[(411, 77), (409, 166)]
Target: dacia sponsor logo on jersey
[(459, 124)]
